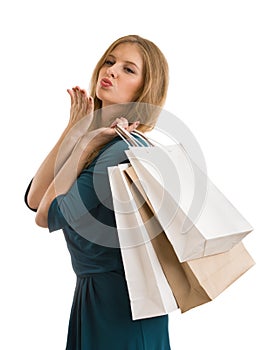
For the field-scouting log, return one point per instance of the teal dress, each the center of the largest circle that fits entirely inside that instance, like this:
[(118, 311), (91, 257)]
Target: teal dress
[(100, 317)]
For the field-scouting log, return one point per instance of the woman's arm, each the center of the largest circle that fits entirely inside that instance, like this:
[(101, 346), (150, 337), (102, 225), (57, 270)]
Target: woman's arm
[(74, 165), (81, 115)]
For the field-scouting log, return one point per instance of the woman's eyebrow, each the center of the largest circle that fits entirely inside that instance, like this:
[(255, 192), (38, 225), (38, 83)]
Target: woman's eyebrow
[(130, 62)]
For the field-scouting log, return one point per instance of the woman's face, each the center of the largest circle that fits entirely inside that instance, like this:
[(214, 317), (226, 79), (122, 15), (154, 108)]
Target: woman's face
[(121, 75)]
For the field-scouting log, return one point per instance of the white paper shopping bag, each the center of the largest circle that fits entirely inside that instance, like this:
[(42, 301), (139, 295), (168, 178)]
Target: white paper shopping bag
[(193, 282), (149, 292), (166, 175)]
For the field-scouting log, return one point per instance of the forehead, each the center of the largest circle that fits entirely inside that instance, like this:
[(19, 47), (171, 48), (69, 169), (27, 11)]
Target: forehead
[(127, 52)]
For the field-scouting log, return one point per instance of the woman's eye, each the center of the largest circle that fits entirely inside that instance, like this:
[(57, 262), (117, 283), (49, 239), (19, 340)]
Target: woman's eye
[(109, 62), (129, 70)]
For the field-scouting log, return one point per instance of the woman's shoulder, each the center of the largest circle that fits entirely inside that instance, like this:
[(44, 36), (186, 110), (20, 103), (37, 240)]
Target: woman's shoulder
[(115, 147), (111, 154)]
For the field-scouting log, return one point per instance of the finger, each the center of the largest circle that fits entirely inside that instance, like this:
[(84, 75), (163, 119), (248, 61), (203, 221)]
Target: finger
[(133, 126), (123, 122), (83, 96), (84, 93), (113, 125), (90, 105), (75, 94), (115, 122), (71, 93), (85, 101), (79, 95)]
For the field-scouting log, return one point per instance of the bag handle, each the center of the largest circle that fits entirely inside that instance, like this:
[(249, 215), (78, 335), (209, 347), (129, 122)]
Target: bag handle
[(130, 139), (144, 137), (125, 136)]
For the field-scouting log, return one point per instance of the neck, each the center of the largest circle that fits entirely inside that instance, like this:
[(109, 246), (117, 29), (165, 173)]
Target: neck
[(109, 113)]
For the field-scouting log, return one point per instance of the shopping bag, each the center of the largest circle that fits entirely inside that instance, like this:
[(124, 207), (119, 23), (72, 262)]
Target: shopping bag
[(197, 281), (149, 292), (166, 175)]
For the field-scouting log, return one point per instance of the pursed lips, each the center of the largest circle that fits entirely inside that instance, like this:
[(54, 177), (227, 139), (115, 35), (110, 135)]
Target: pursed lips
[(105, 82)]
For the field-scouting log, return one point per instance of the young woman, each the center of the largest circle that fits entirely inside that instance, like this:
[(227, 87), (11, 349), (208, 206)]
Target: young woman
[(71, 191)]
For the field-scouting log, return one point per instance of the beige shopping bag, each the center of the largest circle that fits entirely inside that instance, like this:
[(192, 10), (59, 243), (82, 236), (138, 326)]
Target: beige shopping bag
[(197, 281)]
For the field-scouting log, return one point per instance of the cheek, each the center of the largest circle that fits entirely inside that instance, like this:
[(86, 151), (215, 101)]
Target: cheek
[(100, 74), (136, 86)]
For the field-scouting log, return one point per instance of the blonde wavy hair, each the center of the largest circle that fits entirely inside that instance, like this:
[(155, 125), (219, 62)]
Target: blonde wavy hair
[(153, 92), (148, 101)]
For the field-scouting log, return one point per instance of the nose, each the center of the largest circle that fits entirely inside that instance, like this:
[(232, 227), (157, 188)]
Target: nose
[(112, 71)]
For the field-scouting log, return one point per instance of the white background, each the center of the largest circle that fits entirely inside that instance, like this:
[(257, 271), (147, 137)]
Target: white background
[(215, 53)]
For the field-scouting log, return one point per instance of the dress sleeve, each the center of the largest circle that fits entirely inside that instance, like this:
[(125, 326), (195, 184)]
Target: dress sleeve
[(26, 194), (90, 190)]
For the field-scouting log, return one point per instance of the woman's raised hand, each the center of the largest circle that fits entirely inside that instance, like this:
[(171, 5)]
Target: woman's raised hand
[(103, 135), (82, 107)]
